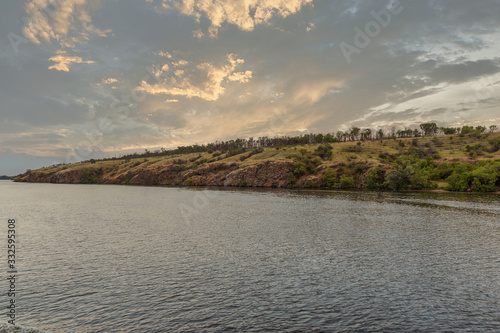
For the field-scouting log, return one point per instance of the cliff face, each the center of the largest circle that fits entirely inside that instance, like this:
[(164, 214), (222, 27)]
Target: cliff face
[(265, 174)]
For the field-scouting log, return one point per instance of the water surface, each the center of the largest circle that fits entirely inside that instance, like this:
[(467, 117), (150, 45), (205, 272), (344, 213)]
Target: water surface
[(120, 259)]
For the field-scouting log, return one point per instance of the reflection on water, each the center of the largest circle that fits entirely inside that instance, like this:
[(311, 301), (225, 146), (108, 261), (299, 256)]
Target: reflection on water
[(111, 258)]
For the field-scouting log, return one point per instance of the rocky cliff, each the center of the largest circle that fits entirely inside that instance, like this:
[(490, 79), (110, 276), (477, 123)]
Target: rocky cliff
[(265, 174)]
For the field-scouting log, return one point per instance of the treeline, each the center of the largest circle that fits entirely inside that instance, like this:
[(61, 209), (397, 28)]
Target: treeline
[(238, 146), (4, 177)]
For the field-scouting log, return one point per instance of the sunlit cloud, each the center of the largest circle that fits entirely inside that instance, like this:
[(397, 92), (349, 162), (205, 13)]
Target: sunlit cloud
[(107, 81), (206, 81), (63, 61), (312, 92), (67, 22), (245, 14)]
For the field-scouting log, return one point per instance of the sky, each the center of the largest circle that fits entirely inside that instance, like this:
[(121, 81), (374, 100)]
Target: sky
[(83, 79)]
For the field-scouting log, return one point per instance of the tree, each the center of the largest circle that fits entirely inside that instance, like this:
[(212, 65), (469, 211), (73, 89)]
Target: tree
[(367, 133), (493, 128), (328, 138), (380, 134), (355, 133), (481, 129), (449, 130), (429, 129), (318, 138), (467, 129)]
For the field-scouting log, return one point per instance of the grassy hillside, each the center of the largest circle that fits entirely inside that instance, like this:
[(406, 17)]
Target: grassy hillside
[(468, 162)]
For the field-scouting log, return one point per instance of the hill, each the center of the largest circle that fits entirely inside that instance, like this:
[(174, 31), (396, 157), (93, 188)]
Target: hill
[(459, 162)]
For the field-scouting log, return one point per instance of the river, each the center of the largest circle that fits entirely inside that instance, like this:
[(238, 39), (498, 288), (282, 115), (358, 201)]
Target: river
[(102, 258)]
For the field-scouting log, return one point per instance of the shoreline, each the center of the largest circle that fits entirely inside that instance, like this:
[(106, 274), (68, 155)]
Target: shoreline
[(290, 189)]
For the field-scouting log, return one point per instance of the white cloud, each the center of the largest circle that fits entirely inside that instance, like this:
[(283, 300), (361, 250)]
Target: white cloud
[(205, 80), (63, 61), (246, 14)]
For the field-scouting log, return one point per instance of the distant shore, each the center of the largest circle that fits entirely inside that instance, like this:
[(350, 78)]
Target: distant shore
[(460, 163)]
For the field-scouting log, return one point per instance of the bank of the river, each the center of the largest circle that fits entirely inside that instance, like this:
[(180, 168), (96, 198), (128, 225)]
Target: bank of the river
[(452, 162)]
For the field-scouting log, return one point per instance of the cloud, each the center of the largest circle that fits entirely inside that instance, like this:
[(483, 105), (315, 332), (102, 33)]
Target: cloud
[(245, 14), (436, 60), (67, 22), (109, 81), (313, 91), (205, 80), (466, 71), (63, 61)]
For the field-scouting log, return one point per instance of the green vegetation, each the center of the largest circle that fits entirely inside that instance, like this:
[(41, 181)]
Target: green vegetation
[(88, 177), (483, 176), (430, 157)]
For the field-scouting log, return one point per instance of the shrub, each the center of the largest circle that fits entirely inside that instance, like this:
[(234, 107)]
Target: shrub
[(88, 177), (329, 178), (375, 179), (358, 169), (324, 151), (352, 149), (399, 179), (311, 184), (482, 177), (346, 182), (421, 180), (299, 168), (195, 158), (443, 171)]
